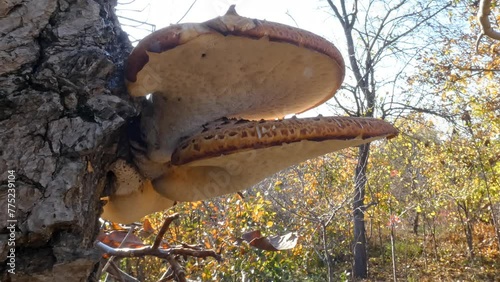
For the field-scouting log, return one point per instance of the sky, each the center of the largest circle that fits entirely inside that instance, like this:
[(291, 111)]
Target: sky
[(311, 15)]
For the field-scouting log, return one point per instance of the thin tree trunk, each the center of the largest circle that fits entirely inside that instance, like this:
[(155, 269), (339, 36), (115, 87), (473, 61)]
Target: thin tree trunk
[(484, 176), (393, 253), (359, 245), (424, 248), (415, 223), (328, 256), (62, 107), (495, 223), (494, 219), (434, 240), (468, 228)]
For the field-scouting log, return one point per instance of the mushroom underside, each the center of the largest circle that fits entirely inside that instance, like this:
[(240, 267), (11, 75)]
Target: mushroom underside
[(236, 155), (133, 206), (238, 76)]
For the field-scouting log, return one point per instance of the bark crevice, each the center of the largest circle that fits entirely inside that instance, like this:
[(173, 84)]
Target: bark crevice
[(63, 109)]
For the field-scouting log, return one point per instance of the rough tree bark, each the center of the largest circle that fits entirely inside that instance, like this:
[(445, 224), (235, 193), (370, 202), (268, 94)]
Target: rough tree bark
[(360, 264), (63, 108)]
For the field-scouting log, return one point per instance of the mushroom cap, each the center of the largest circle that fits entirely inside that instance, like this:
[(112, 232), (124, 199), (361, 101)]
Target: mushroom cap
[(233, 57), (230, 66), (233, 155), (230, 136)]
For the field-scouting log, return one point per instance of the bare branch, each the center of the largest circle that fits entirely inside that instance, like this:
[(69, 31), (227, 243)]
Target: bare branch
[(139, 23), (482, 16), (120, 274), (170, 254), (337, 14), (346, 110), (127, 3), (291, 17), (177, 268), (110, 260), (160, 253), (390, 42), (187, 12), (421, 110), (164, 229)]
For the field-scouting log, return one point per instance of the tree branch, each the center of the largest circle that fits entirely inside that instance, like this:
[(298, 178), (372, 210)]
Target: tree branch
[(179, 272), (482, 16), (169, 254), (160, 253), (164, 229), (337, 13), (187, 12)]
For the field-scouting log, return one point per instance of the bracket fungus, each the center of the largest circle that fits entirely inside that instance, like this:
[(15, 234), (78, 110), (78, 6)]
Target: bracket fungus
[(217, 89)]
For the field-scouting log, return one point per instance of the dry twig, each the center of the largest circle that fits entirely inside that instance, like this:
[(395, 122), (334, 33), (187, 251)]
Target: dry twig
[(169, 254)]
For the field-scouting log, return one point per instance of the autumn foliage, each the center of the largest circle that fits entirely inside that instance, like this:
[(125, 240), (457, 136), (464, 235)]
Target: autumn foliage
[(432, 199)]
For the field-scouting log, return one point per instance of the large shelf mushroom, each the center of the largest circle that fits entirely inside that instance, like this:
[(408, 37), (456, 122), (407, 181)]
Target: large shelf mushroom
[(217, 88)]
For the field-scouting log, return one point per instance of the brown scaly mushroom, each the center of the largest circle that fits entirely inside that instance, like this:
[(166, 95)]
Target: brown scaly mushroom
[(236, 154), (229, 66), (206, 79)]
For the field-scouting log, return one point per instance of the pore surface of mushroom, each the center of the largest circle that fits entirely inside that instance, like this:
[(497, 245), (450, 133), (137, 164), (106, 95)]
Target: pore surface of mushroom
[(216, 88)]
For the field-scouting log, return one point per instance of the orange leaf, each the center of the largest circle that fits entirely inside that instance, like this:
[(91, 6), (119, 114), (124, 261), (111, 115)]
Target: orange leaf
[(147, 227), (272, 243), (116, 226), (115, 238)]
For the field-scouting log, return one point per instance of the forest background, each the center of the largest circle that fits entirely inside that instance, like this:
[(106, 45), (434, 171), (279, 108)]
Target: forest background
[(432, 202), (424, 206)]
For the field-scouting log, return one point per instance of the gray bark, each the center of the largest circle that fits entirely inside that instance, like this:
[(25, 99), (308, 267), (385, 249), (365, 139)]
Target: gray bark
[(63, 108), (360, 264)]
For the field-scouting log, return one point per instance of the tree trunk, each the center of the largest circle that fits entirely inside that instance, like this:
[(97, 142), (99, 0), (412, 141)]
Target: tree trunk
[(328, 256), (63, 106), (415, 223), (393, 253), (468, 227), (360, 267)]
